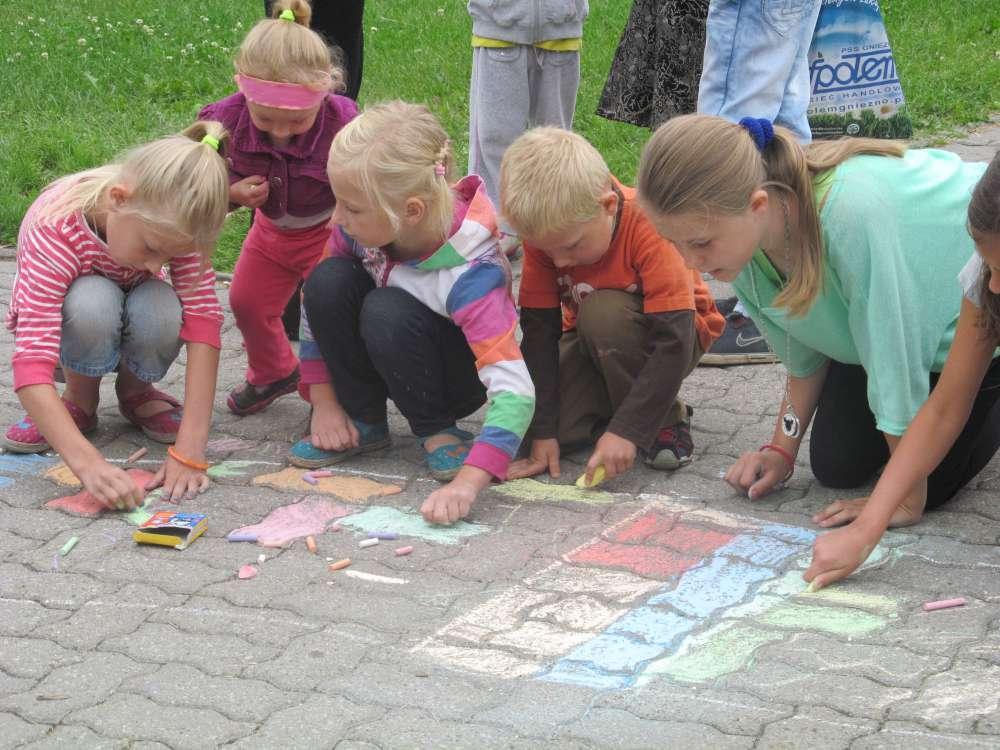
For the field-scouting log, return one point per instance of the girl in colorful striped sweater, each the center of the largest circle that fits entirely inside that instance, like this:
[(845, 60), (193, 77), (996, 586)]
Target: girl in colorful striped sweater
[(413, 304)]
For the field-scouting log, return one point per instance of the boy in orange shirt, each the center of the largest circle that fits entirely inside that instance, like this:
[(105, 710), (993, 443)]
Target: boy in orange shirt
[(613, 320)]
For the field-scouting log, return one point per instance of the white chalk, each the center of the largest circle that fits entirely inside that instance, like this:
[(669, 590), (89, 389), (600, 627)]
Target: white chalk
[(374, 578), (368, 542), (261, 557)]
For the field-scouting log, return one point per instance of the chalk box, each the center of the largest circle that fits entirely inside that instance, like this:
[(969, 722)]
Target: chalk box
[(171, 529)]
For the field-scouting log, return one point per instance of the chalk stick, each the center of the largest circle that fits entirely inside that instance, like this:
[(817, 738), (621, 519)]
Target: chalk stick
[(598, 477), (247, 571), (812, 588), (339, 565), (308, 478), (401, 551), (70, 544), (261, 557), (311, 544), (383, 535), (368, 543), (234, 537), (321, 474), (137, 455), (943, 604)]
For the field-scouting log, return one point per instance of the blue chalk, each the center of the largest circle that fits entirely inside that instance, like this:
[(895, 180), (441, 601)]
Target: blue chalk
[(234, 537)]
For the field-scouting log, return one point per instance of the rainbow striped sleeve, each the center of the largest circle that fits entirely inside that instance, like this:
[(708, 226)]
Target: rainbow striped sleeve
[(480, 304)]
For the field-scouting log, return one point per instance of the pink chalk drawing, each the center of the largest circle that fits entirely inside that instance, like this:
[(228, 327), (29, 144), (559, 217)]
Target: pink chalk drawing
[(673, 591), (84, 504), (283, 525)]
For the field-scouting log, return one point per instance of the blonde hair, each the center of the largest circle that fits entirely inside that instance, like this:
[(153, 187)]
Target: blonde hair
[(395, 150), (702, 163), (289, 52), (178, 184), (551, 179)]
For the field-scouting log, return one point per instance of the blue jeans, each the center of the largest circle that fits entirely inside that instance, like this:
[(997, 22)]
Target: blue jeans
[(104, 325), (756, 61)]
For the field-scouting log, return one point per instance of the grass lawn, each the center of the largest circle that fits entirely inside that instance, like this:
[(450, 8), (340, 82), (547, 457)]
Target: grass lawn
[(82, 81)]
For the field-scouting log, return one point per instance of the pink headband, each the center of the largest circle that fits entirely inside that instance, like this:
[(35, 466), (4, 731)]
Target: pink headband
[(280, 95)]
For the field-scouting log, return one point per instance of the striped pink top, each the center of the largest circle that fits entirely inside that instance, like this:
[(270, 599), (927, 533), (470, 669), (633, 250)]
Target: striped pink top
[(52, 255)]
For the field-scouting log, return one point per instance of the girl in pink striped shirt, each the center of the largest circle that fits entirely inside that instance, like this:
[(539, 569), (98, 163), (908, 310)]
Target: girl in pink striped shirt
[(91, 292)]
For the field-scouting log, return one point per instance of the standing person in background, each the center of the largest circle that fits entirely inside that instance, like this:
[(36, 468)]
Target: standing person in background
[(756, 64), (525, 72), (655, 73)]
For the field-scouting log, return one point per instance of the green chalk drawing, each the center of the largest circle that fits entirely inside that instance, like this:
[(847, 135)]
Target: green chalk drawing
[(717, 652), (233, 469), (533, 491), (828, 619), (382, 518), (856, 600)]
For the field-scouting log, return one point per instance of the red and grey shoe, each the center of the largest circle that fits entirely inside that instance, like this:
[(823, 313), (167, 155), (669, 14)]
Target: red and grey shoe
[(25, 437), (250, 399)]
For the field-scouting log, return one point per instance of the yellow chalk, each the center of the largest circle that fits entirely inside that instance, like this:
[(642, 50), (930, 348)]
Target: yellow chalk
[(812, 588), (599, 474)]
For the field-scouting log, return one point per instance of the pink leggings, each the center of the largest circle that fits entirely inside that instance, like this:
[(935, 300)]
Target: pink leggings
[(271, 264)]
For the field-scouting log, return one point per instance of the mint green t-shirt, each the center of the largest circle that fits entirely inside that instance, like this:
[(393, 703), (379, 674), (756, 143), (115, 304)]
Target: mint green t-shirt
[(894, 237)]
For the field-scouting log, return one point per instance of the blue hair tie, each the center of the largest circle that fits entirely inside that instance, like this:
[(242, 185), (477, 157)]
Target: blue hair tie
[(760, 129)]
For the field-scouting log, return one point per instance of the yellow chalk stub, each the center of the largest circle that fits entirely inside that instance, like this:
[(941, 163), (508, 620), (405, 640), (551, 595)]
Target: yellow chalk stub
[(599, 475)]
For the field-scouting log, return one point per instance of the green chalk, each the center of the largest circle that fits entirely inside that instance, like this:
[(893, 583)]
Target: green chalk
[(70, 544)]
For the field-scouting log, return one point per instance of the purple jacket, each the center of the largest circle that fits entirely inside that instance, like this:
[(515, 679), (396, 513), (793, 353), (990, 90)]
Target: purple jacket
[(297, 173)]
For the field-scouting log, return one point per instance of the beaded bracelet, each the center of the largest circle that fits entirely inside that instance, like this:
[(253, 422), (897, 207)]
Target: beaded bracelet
[(785, 455), (190, 463)]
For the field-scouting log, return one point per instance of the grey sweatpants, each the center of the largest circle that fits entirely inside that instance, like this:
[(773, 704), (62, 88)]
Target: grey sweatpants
[(514, 88)]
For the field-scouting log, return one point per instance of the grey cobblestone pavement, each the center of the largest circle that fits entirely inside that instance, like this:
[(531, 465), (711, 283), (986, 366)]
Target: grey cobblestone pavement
[(659, 611)]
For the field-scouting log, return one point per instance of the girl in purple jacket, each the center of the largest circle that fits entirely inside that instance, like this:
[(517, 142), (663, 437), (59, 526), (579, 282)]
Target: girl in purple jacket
[(282, 122)]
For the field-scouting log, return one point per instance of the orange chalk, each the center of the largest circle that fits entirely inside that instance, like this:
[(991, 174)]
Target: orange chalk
[(311, 544), (339, 565), (137, 455)]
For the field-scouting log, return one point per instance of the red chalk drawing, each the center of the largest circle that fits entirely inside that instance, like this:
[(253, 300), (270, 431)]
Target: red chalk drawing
[(289, 522), (651, 562), (85, 504), (639, 530), (691, 539)]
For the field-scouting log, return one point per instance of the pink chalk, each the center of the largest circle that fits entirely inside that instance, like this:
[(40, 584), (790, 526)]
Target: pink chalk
[(247, 571), (321, 474), (308, 478), (943, 604), (400, 551)]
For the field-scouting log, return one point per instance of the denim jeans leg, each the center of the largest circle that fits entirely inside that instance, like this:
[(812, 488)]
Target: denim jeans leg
[(92, 326), (756, 61), (151, 335)]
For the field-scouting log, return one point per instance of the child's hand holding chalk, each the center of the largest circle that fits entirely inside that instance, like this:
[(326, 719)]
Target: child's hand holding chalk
[(595, 479), (613, 455)]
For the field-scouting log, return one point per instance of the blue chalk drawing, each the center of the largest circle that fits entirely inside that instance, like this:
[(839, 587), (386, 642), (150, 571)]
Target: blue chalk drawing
[(384, 518)]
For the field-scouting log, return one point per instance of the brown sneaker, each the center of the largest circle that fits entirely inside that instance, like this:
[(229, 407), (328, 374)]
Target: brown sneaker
[(250, 399)]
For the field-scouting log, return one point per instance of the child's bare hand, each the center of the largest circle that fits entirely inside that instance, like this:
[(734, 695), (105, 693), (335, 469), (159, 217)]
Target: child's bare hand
[(114, 488), (544, 457), (838, 553), (331, 429), (615, 453), (450, 503), (179, 482), (250, 191), (757, 472)]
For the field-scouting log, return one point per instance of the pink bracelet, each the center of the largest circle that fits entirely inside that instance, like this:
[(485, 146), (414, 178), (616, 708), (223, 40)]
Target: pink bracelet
[(785, 455)]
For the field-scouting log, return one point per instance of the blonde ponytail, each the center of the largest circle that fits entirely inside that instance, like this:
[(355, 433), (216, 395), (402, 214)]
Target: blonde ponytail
[(708, 164)]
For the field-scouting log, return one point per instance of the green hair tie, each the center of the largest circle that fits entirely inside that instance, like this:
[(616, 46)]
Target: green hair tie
[(211, 141), (287, 15)]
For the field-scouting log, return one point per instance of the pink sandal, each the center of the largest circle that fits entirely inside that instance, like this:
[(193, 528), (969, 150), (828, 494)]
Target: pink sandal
[(161, 427), (25, 437)]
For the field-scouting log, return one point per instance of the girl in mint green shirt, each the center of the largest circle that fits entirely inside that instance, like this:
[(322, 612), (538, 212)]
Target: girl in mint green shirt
[(845, 254)]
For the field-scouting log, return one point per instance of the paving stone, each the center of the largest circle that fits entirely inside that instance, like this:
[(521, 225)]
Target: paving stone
[(318, 722), (410, 728), (814, 727), (314, 659), (16, 732), (954, 700), (74, 686), (75, 737), (238, 699), (615, 728), (904, 736), (853, 695), (215, 654), (32, 657), (137, 718)]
